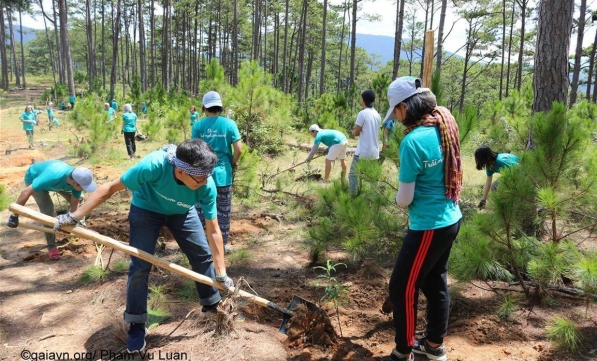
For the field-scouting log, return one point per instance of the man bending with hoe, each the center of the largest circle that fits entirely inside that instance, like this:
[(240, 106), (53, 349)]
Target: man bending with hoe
[(53, 176), (166, 185)]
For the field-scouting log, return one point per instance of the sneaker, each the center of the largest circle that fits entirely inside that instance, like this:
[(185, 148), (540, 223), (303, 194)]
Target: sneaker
[(136, 339), (227, 249), (433, 353), (397, 356)]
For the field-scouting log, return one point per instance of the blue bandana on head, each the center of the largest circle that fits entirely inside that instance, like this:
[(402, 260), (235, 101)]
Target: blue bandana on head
[(170, 150)]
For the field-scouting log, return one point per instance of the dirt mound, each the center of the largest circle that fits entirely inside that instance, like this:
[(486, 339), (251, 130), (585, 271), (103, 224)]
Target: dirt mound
[(308, 327)]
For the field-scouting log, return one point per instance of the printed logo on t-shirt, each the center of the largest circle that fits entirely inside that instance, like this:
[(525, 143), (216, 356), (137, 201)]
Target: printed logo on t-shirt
[(211, 133), (432, 163), (174, 201)]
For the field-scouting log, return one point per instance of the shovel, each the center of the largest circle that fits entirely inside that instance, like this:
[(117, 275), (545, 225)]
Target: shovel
[(294, 166), (173, 267)]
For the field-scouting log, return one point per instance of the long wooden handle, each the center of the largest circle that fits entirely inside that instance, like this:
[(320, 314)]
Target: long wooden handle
[(294, 166), (112, 243)]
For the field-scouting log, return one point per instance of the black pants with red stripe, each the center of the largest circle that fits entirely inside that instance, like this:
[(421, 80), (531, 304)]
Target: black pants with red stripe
[(422, 264)]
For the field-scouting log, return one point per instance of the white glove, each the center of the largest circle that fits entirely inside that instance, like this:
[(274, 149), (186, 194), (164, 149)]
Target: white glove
[(65, 220), (226, 282)]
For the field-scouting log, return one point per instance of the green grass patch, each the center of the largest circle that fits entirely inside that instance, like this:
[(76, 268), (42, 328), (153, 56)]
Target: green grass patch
[(156, 316), (564, 333), (238, 257), (121, 266), (187, 291), (4, 198), (93, 274)]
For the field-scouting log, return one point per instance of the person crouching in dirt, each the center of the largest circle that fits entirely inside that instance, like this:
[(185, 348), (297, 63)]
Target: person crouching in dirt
[(430, 181), (29, 120), (336, 143), (223, 137), (129, 128), (492, 162), (52, 121), (53, 176), (110, 112), (166, 185)]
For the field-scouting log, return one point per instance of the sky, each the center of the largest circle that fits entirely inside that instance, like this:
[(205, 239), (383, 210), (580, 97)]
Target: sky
[(386, 26)]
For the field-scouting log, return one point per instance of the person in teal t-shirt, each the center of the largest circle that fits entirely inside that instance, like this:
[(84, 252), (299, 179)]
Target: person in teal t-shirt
[(389, 127), (72, 100), (492, 162), (129, 128), (52, 121), (53, 176), (114, 105), (336, 143), (110, 112), (223, 137), (166, 185), (29, 120), (194, 115), (430, 181), (143, 108)]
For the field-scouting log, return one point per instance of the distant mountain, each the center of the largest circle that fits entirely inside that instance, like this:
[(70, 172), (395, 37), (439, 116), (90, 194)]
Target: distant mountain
[(381, 45), (28, 33)]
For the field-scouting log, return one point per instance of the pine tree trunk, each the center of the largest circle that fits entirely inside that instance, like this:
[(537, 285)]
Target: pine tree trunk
[(256, 27), (115, 34), (503, 48), (50, 49), (285, 57), (440, 36), (323, 46), (523, 11), (16, 71), (66, 46), (591, 68), (3, 57), (61, 56), (510, 49), (302, 50), (142, 58), (152, 50), (578, 53), (22, 48), (235, 44), (345, 8), (165, 79), (353, 45), (550, 80), (103, 45), (90, 47)]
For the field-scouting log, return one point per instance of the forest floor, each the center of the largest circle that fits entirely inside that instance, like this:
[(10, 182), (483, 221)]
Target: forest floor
[(46, 312)]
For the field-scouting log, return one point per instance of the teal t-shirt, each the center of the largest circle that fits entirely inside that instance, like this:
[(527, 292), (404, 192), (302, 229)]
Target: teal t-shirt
[(329, 137), (50, 111), (503, 160), (129, 120), (30, 121), (194, 117), (110, 114), (220, 133), (50, 176), (156, 189), (72, 99), (421, 161), (114, 104), (390, 125)]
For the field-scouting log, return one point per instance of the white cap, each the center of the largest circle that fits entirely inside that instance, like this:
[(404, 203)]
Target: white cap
[(128, 108), (212, 99), (314, 127), (402, 89), (84, 177)]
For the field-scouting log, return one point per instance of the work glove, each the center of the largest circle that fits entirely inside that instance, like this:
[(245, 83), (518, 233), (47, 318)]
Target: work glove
[(65, 220), (482, 204), (226, 282), (13, 221)]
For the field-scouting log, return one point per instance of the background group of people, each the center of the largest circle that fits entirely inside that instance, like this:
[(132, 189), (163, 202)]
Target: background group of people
[(188, 188)]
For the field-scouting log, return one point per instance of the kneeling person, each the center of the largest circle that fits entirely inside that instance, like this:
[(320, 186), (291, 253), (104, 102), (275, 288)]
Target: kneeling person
[(336, 142), (166, 185)]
